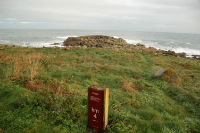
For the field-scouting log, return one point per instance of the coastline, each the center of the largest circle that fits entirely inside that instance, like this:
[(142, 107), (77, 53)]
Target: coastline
[(188, 43), (138, 47)]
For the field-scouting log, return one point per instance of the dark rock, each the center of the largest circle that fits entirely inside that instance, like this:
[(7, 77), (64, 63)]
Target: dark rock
[(94, 41), (197, 57), (55, 44), (169, 52), (181, 55)]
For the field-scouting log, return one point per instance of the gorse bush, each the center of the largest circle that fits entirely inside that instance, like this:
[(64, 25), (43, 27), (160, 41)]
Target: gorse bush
[(45, 90)]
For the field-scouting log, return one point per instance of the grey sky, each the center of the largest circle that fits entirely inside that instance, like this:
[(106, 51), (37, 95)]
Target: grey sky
[(135, 15)]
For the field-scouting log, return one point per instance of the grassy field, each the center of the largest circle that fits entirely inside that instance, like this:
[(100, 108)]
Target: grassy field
[(45, 90)]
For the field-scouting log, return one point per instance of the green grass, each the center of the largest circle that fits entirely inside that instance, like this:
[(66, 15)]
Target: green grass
[(45, 90)]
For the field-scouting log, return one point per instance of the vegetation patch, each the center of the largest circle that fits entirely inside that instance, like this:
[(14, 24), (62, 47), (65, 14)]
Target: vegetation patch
[(45, 90)]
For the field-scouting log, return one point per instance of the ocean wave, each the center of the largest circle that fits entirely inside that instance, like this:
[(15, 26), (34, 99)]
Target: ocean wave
[(42, 44), (115, 36), (188, 43), (188, 51), (65, 37), (133, 41), (4, 41)]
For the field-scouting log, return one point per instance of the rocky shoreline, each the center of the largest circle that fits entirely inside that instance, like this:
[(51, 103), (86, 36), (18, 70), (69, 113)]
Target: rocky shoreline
[(9, 45), (107, 42)]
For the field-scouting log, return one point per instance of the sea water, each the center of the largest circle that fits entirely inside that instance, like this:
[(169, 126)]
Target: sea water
[(178, 42)]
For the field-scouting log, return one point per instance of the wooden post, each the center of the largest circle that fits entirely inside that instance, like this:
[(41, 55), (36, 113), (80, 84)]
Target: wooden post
[(98, 99)]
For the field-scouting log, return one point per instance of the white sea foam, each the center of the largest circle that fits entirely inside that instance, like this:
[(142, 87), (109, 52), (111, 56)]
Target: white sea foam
[(42, 44), (115, 36), (4, 41), (189, 52), (65, 37), (62, 37), (188, 43), (133, 41), (58, 39)]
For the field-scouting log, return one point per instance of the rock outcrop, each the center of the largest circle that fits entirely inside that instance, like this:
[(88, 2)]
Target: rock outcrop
[(98, 41), (197, 57), (168, 74), (101, 41)]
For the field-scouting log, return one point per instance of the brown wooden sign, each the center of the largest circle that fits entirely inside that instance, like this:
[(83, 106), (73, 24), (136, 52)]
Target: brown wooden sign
[(98, 99)]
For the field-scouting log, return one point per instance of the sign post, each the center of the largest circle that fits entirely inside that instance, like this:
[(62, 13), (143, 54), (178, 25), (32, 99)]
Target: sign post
[(98, 99)]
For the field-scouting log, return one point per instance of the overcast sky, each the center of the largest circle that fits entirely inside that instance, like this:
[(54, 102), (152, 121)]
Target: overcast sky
[(136, 15)]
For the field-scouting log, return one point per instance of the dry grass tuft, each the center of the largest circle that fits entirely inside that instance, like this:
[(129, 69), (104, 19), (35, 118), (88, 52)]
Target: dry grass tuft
[(115, 49), (129, 87), (73, 65), (37, 86), (4, 57), (33, 86), (98, 67), (20, 65), (60, 62), (34, 69)]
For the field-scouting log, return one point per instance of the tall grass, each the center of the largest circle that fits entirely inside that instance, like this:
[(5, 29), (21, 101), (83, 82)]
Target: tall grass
[(21, 65)]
